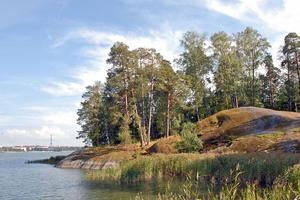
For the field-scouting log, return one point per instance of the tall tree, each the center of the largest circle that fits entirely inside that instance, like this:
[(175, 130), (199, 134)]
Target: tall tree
[(91, 116), (196, 64), (252, 49), (228, 70), (290, 62), (151, 69), (119, 80), (271, 82), (167, 85)]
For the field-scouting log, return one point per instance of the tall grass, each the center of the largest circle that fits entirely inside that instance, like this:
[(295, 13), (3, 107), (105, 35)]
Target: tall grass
[(258, 168), (282, 189)]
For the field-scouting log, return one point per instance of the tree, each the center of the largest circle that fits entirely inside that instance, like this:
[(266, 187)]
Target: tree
[(290, 64), (144, 98), (167, 85), (270, 82), (251, 49), (91, 116), (151, 70), (119, 81), (228, 70), (195, 64)]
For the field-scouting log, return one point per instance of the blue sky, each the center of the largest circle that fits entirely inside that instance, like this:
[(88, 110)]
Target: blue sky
[(50, 50)]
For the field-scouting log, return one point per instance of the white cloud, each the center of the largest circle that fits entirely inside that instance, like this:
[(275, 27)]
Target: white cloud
[(60, 118), (96, 51), (276, 21), (39, 136), (64, 88), (40, 122), (284, 18), (43, 133)]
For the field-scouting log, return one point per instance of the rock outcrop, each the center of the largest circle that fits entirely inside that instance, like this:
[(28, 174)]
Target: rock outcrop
[(95, 158)]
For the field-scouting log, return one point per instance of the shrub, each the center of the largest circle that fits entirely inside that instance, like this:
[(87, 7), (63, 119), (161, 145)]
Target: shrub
[(190, 142), (124, 134)]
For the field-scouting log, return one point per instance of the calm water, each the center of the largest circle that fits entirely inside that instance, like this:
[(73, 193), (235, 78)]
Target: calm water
[(40, 181)]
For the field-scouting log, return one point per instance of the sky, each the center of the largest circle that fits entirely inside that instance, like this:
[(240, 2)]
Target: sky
[(50, 50)]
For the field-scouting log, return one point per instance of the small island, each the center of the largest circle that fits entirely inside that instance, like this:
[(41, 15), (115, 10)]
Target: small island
[(149, 122), (150, 100)]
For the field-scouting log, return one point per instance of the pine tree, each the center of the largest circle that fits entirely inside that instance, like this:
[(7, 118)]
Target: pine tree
[(90, 116), (270, 82), (290, 63), (119, 81)]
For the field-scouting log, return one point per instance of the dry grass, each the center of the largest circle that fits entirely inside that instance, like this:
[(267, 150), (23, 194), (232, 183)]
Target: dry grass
[(165, 145), (245, 120), (119, 156)]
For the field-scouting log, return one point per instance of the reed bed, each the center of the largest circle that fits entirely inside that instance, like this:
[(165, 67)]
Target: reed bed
[(259, 168)]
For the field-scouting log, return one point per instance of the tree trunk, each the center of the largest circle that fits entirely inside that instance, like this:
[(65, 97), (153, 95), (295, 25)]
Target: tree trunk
[(298, 73), (140, 128), (126, 105), (143, 106), (207, 111), (197, 112), (234, 101), (168, 115), (137, 119), (126, 96), (106, 132), (289, 86), (253, 87), (150, 110), (270, 76)]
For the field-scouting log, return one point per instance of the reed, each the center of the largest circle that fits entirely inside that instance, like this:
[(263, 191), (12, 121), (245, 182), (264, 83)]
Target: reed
[(282, 189), (259, 168)]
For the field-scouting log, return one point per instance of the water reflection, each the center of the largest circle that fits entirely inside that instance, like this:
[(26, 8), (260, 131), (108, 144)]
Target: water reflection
[(40, 181)]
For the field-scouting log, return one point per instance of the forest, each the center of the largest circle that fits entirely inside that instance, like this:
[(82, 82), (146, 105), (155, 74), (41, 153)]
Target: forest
[(146, 97)]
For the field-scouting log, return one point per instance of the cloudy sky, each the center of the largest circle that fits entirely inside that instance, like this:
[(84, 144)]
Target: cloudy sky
[(50, 50)]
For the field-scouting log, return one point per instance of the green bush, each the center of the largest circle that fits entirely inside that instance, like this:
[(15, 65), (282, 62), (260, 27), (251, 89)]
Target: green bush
[(190, 142), (125, 134)]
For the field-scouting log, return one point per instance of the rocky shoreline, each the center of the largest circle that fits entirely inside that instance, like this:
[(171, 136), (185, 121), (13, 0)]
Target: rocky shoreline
[(72, 162)]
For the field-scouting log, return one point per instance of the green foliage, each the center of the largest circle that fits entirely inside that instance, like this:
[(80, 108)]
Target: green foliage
[(251, 49), (190, 141), (293, 176), (91, 116), (261, 168), (228, 71), (233, 189), (156, 100), (290, 63), (124, 133)]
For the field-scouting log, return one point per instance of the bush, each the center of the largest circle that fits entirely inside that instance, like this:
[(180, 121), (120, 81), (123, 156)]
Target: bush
[(190, 142), (124, 134)]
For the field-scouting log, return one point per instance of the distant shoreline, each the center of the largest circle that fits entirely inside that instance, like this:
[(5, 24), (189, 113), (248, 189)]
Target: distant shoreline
[(34, 151), (39, 148)]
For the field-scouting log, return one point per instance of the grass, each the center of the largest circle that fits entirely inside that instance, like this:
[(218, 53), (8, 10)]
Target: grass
[(144, 168), (260, 168), (273, 135), (282, 189)]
